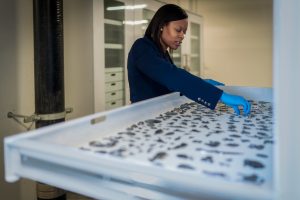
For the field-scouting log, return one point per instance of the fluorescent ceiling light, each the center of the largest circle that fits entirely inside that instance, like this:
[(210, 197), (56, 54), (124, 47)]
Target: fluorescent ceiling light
[(137, 22), (129, 7)]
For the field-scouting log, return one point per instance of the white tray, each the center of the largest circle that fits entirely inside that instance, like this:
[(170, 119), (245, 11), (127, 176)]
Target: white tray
[(52, 155)]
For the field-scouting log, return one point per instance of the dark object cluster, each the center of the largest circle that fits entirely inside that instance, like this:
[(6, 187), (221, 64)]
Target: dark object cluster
[(191, 137)]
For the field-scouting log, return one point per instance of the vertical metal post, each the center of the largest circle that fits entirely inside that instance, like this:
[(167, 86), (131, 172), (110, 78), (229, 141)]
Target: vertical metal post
[(286, 71), (48, 72)]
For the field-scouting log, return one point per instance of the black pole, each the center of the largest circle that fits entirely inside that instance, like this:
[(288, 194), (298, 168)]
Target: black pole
[(48, 58), (48, 73)]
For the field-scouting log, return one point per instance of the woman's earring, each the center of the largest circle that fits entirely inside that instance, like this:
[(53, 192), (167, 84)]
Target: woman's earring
[(161, 29)]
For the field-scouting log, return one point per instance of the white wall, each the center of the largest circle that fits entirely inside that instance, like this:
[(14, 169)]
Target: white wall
[(7, 76), (16, 70), (78, 41), (238, 41)]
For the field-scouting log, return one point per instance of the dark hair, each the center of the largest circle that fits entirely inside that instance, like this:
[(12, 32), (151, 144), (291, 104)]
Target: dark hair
[(164, 15)]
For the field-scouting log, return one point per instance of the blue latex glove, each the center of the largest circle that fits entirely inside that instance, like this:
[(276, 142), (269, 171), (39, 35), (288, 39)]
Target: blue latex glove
[(235, 101), (213, 82)]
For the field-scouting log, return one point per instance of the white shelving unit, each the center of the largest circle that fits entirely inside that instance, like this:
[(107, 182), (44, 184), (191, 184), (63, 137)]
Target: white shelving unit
[(114, 53)]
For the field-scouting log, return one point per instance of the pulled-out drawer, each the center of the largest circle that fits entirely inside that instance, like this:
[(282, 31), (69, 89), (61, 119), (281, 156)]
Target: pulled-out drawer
[(164, 148)]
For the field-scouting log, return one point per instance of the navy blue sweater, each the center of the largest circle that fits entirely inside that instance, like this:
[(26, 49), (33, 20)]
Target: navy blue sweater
[(151, 74)]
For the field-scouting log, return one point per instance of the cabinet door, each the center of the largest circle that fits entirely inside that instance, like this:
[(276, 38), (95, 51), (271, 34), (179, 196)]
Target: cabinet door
[(192, 46)]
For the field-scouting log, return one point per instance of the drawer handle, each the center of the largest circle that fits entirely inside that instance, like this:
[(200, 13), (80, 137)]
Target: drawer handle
[(113, 93), (113, 103), (98, 120), (112, 84), (112, 74)]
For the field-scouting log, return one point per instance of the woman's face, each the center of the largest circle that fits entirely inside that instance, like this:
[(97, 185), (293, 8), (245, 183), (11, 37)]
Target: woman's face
[(173, 33)]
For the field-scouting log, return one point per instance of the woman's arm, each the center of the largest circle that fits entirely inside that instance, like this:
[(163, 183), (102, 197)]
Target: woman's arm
[(148, 61)]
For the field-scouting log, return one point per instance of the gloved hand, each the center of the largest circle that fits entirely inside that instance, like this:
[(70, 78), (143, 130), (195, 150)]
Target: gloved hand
[(213, 82), (234, 101)]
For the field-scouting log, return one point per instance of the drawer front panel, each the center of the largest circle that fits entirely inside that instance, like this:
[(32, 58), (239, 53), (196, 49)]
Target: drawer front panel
[(114, 95), (113, 86), (113, 104), (113, 76)]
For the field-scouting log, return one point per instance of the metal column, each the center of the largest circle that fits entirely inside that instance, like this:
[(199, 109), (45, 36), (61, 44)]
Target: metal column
[(49, 73)]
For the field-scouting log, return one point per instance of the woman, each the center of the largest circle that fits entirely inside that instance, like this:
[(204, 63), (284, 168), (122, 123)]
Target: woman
[(151, 71)]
